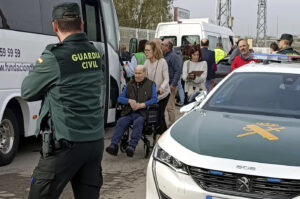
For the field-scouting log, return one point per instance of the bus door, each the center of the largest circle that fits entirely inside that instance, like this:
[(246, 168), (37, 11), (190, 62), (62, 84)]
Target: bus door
[(103, 33)]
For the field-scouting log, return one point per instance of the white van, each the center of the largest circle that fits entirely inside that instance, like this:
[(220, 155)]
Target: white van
[(191, 31)]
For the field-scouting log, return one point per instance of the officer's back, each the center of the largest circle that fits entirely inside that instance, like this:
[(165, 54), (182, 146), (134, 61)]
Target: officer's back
[(68, 78)]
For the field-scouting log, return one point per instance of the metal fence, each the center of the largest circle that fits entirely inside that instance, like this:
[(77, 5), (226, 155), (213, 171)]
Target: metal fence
[(127, 33)]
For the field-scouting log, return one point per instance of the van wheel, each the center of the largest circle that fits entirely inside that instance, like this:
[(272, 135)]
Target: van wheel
[(9, 137)]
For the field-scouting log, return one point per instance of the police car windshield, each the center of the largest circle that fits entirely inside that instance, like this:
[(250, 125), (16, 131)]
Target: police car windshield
[(276, 94)]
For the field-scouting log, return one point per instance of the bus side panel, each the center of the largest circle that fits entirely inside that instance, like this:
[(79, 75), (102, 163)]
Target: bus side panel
[(28, 109), (21, 52)]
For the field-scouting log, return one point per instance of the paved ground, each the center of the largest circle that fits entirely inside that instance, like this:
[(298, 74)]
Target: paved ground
[(124, 177)]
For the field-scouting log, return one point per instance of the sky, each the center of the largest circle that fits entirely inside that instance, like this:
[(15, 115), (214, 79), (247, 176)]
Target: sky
[(284, 14)]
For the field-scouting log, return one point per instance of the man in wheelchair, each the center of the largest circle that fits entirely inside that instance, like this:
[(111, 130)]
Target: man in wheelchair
[(138, 94)]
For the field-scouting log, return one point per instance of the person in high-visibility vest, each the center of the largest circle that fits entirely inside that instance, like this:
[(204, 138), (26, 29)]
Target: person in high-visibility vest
[(219, 52), (138, 58)]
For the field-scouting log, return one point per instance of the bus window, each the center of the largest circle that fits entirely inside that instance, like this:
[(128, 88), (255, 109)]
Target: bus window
[(24, 17), (91, 19), (190, 39), (46, 14), (110, 23), (173, 38), (91, 28)]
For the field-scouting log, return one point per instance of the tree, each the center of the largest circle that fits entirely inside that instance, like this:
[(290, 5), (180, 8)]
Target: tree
[(143, 13)]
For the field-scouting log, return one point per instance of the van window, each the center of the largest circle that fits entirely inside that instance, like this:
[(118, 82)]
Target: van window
[(173, 38), (190, 39), (25, 17), (226, 45), (213, 40)]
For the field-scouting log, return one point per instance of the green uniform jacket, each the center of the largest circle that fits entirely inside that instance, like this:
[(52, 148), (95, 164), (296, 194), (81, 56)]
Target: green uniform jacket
[(68, 78), (288, 51)]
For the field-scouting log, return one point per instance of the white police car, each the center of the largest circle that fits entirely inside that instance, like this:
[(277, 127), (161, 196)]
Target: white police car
[(242, 141)]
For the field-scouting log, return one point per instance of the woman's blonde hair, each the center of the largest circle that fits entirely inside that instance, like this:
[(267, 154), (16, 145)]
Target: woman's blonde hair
[(157, 52)]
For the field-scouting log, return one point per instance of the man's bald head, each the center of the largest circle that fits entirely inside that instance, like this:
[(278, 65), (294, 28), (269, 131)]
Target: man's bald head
[(204, 43), (139, 73)]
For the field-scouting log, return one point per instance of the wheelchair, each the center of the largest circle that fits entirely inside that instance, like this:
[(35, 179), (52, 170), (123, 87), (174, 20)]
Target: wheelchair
[(149, 130)]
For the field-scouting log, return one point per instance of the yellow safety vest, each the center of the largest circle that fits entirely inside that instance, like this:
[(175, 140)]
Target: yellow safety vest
[(219, 54)]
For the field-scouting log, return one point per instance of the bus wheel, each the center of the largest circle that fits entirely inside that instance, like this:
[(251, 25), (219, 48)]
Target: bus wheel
[(9, 137)]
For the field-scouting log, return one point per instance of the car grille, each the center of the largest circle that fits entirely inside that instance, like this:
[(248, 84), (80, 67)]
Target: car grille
[(245, 185)]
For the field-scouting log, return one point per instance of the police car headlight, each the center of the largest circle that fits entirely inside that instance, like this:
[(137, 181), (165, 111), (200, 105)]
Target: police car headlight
[(163, 157)]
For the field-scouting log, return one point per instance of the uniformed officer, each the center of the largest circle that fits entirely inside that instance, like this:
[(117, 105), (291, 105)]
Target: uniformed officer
[(68, 78)]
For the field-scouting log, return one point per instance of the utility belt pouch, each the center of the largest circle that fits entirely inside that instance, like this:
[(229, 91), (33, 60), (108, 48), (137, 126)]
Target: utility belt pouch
[(48, 145)]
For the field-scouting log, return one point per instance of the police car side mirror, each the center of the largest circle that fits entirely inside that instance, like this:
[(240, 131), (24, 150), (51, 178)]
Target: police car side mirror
[(196, 98), (202, 95), (188, 108)]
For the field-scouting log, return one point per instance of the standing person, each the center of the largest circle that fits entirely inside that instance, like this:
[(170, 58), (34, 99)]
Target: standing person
[(138, 58), (235, 52), (209, 57), (244, 57), (194, 83), (273, 48), (157, 70), (71, 121), (125, 55), (285, 45), (219, 52), (175, 71)]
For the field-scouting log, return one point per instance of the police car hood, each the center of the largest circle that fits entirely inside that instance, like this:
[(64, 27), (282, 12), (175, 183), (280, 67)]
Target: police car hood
[(255, 138)]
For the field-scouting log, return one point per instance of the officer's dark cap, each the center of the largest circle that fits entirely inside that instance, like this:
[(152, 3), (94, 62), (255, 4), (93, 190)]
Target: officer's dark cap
[(66, 10), (287, 37)]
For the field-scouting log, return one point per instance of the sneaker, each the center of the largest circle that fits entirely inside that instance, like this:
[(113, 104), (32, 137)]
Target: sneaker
[(130, 151), (112, 149)]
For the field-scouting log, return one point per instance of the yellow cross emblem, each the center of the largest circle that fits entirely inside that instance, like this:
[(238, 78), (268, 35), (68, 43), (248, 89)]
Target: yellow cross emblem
[(259, 128)]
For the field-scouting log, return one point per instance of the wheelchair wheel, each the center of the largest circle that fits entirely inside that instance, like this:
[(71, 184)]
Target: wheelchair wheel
[(147, 149), (123, 146)]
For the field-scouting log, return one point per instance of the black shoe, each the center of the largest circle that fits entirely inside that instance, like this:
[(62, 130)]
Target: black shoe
[(112, 149), (178, 104), (130, 151)]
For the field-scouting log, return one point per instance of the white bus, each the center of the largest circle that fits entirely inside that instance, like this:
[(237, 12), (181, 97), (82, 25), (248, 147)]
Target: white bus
[(191, 31), (25, 30)]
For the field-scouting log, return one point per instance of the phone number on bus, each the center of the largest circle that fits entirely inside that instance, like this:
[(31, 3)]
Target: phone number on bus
[(10, 52)]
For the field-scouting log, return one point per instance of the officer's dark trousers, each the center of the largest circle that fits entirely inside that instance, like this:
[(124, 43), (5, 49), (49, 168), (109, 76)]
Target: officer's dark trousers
[(78, 162)]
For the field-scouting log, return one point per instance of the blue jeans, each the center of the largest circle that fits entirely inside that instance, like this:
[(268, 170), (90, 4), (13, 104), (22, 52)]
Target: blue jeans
[(180, 92), (207, 85), (135, 119)]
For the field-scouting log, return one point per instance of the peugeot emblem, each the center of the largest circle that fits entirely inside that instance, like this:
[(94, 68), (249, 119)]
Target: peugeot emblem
[(243, 184)]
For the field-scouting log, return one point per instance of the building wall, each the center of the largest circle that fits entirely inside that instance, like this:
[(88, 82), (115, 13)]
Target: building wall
[(127, 33)]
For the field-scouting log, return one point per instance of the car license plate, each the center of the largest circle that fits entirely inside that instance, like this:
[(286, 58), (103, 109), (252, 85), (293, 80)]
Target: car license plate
[(213, 197)]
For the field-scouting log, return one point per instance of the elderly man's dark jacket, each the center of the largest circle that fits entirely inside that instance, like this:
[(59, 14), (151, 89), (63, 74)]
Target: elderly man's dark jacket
[(140, 92)]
